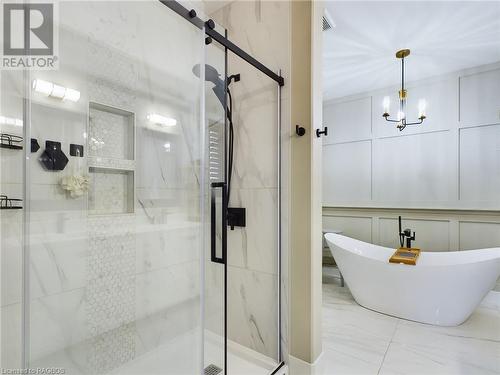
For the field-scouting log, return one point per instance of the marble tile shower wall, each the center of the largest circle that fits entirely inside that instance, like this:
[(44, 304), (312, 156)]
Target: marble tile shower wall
[(262, 28), (105, 289), (11, 229)]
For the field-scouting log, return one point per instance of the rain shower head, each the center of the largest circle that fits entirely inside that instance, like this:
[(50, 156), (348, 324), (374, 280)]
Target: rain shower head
[(212, 75)]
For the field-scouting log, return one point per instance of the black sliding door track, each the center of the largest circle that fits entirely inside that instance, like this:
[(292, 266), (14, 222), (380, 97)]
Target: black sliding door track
[(190, 15)]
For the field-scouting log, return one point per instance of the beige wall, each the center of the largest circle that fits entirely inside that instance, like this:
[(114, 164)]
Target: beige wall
[(305, 209), (300, 287)]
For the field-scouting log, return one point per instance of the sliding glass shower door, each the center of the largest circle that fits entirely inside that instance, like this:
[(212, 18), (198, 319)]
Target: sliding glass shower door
[(117, 215)]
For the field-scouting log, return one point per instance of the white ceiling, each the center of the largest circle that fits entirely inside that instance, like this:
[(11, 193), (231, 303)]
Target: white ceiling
[(445, 36)]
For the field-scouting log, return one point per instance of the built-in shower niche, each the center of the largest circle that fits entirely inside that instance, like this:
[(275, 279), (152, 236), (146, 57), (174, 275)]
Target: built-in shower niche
[(111, 191), (111, 132), (111, 145)]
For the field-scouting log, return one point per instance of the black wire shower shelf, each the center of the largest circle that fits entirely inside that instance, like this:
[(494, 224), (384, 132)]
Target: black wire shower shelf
[(7, 203), (11, 141)]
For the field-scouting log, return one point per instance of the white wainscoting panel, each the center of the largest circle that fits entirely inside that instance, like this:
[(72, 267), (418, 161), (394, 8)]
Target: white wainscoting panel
[(451, 161), (441, 96), (414, 169), (431, 235), (436, 230), (349, 120), (479, 98), (479, 235), (347, 172), (359, 228), (480, 165)]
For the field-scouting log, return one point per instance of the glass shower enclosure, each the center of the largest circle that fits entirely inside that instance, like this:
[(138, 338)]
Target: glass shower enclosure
[(109, 267), (115, 199)]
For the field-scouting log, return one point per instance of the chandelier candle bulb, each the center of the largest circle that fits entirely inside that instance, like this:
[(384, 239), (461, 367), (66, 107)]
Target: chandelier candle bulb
[(386, 104), (422, 106)]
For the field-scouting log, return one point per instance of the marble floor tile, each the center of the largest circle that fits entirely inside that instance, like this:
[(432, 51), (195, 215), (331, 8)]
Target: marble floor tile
[(360, 341), (355, 339), (333, 294), (336, 362), (440, 355)]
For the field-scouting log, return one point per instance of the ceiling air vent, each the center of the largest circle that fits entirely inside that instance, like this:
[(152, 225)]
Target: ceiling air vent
[(328, 23)]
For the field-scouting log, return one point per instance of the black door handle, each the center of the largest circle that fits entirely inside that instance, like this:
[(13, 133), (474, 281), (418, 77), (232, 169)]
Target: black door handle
[(213, 223)]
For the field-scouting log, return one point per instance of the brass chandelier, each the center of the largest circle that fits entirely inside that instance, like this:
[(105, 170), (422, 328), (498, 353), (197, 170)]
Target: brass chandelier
[(401, 120)]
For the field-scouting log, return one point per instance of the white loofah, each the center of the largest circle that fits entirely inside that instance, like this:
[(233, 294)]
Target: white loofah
[(75, 185)]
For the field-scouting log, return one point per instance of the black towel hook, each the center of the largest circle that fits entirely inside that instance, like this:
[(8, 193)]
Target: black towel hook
[(319, 132), (299, 130)]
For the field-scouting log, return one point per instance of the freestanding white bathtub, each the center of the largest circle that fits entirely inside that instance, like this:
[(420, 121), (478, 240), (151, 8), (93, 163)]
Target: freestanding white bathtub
[(443, 288)]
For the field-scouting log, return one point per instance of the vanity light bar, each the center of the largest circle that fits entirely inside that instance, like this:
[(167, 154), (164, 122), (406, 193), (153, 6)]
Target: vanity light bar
[(161, 120), (11, 121), (55, 91)]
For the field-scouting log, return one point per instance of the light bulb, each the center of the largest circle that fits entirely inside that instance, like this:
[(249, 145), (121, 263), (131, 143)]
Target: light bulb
[(58, 92), (387, 104), (71, 95), (161, 120), (43, 87), (422, 106), (11, 121)]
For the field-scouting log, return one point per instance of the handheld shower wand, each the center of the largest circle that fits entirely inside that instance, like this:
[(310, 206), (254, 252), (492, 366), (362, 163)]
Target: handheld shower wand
[(220, 86)]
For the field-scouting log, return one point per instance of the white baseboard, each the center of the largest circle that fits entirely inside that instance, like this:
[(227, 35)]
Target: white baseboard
[(299, 367)]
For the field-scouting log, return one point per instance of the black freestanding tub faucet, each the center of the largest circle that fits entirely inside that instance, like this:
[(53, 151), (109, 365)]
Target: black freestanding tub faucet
[(405, 234)]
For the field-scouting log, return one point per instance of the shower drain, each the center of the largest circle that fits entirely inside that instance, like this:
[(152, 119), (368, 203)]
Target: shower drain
[(212, 370)]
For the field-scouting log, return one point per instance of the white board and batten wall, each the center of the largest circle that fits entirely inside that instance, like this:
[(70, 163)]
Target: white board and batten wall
[(443, 177)]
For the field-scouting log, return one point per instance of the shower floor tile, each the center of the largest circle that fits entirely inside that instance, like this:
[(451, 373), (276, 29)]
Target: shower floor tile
[(180, 356)]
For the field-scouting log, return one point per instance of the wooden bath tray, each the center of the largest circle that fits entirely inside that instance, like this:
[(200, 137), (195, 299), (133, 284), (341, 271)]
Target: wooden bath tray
[(405, 256)]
